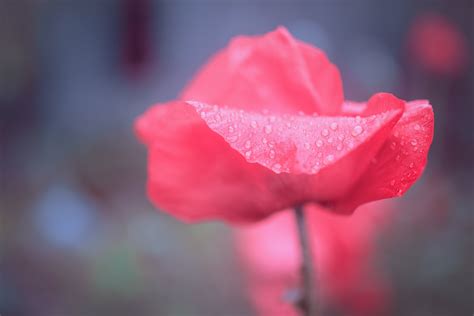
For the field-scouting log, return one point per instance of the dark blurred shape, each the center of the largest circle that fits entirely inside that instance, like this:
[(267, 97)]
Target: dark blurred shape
[(136, 40)]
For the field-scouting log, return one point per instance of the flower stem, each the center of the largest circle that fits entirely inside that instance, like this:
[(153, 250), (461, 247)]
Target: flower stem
[(307, 270)]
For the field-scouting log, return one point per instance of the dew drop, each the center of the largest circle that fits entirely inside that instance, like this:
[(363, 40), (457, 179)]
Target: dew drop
[(393, 145), (357, 119), (231, 129), (232, 139), (339, 147), (248, 144), (253, 124), (306, 145), (272, 154), (415, 149), (218, 117), (397, 158), (268, 129), (276, 167), (319, 143), (341, 137), (417, 127), (329, 158), (325, 132), (264, 140), (333, 126), (411, 165), (414, 142), (203, 115), (392, 183), (357, 130), (248, 154)]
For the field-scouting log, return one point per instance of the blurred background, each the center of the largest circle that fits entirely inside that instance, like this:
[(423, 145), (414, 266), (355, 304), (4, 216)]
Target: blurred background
[(79, 236)]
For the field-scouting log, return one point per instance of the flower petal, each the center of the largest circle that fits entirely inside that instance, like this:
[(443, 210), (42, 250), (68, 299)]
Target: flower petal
[(194, 174), (400, 161), (319, 158), (299, 144), (274, 70)]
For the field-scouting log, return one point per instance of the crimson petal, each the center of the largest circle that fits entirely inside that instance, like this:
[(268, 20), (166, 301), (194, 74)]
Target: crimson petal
[(399, 163), (194, 174), (275, 70)]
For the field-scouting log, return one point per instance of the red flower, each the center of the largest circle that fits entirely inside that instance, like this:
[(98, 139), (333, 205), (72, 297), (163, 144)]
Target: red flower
[(267, 129), (438, 45), (343, 247)]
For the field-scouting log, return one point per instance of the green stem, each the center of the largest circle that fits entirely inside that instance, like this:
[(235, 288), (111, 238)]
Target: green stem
[(307, 270)]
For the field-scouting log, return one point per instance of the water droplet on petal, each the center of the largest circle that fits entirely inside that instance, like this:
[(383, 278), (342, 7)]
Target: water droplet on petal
[(357, 130), (393, 145), (272, 154), (417, 127), (268, 129), (248, 154), (357, 119), (325, 132), (231, 129), (333, 126), (276, 167), (264, 140), (306, 145), (319, 143), (329, 158), (411, 165), (341, 137), (339, 147), (248, 144), (414, 142), (203, 115), (232, 139), (392, 183), (397, 158), (253, 124)]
